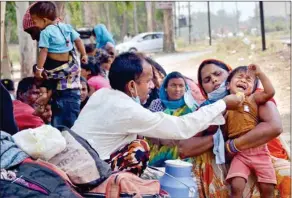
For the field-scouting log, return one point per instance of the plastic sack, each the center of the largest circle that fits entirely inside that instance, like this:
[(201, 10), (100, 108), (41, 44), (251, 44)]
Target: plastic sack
[(43, 142)]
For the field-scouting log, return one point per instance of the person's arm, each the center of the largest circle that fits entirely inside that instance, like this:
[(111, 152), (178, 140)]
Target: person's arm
[(42, 58), (161, 125), (44, 45), (80, 47), (269, 128), (195, 146), (268, 92), (75, 37)]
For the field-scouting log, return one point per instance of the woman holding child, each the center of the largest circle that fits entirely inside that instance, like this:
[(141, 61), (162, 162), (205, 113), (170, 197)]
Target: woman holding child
[(211, 177)]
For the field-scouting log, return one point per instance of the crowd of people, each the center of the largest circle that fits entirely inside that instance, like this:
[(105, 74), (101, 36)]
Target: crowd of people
[(134, 114)]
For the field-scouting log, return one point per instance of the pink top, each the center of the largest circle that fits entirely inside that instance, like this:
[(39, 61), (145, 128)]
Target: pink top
[(98, 82)]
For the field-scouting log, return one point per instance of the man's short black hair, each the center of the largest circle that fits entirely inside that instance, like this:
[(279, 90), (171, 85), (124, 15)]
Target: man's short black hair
[(24, 85), (242, 69), (44, 9), (126, 67)]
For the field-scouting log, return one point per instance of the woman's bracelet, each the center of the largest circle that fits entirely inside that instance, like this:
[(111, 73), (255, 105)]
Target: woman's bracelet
[(232, 147), (228, 148), (42, 69), (235, 146)]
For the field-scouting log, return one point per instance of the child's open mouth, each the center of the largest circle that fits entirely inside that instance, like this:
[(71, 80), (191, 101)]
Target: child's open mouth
[(241, 87)]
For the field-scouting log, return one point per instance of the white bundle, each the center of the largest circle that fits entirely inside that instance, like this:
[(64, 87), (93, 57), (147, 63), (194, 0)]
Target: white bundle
[(43, 142)]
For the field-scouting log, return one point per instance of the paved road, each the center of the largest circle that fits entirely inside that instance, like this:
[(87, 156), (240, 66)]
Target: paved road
[(171, 62)]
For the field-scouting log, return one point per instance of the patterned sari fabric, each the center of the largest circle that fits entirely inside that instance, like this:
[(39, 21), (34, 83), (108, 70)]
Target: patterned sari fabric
[(211, 177), (159, 154), (211, 182), (131, 158)]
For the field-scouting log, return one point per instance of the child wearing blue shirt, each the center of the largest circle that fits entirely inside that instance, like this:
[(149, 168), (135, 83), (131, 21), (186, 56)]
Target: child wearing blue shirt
[(57, 62)]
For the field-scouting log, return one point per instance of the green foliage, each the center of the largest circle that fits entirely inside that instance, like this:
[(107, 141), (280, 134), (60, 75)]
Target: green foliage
[(75, 9), (10, 14), (11, 22)]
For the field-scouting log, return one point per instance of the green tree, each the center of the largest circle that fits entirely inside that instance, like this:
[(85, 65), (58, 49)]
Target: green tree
[(75, 10), (11, 23)]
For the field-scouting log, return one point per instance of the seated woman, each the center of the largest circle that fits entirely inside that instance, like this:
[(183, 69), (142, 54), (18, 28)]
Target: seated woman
[(172, 100), (92, 72), (210, 176)]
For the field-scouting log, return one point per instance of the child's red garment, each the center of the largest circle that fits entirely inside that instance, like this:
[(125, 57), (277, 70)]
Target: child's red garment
[(24, 117), (256, 159)]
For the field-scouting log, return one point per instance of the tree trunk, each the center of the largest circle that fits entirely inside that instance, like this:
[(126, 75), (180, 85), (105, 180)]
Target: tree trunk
[(168, 42), (4, 59), (154, 25), (148, 5), (86, 13), (108, 20), (3, 9), (8, 31), (61, 9), (124, 25), (27, 46), (135, 18)]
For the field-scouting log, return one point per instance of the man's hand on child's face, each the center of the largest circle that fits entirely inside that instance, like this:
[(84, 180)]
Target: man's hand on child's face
[(84, 59)]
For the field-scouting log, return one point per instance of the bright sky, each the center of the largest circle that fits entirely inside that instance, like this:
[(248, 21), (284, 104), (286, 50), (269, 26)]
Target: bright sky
[(246, 8)]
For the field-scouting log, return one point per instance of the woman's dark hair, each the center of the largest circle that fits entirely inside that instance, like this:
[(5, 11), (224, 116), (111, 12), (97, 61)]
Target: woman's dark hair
[(102, 56), (156, 65), (89, 48), (242, 69), (82, 79), (92, 66), (126, 67), (173, 75), (44, 9), (210, 61)]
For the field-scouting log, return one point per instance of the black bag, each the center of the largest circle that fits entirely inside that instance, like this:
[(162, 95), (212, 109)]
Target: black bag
[(47, 183)]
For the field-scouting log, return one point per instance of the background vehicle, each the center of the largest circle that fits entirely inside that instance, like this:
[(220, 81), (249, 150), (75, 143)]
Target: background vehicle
[(144, 42)]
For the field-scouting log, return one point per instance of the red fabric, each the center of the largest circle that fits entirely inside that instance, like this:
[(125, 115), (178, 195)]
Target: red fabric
[(27, 21), (276, 149), (24, 117)]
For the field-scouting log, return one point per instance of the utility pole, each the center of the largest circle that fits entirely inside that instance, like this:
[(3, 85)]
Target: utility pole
[(209, 23), (178, 3), (237, 18), (262, 25), (190, 25), (174, 19)]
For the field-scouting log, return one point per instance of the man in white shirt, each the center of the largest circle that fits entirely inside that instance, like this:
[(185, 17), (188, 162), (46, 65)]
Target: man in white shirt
[(112, 118)]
